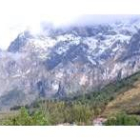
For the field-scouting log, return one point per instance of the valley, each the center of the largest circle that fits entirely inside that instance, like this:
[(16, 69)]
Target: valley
[(74, 74)]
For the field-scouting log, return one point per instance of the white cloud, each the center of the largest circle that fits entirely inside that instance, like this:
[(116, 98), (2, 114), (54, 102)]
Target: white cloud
[(17, 15)]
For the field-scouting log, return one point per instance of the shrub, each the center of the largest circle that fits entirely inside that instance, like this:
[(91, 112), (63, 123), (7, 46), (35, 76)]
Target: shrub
[(122, 119), (24, 118)]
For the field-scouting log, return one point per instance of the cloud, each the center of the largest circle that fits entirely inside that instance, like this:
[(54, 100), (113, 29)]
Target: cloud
[(18, 15)]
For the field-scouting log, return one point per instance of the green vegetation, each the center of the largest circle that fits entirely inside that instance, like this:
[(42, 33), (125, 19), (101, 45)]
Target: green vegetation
[(81, 110), (53, 113), (23, 118), (123, 119), (67, 112)]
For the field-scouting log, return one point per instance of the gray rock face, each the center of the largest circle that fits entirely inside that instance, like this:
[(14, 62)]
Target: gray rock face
[(67, 62)]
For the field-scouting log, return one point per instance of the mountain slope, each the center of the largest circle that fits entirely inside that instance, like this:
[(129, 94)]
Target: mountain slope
[(67, 62), (128, 100)]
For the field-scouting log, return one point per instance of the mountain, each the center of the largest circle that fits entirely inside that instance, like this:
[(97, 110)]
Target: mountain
[(70, 61)]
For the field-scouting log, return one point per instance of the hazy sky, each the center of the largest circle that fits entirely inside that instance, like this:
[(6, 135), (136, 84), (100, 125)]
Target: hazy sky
[(18, 15)]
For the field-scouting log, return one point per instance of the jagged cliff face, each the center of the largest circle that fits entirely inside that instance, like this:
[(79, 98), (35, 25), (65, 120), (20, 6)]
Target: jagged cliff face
[(68, 62)]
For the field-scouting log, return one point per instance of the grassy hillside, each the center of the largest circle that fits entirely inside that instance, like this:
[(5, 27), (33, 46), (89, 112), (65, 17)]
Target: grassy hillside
[(128, 101)]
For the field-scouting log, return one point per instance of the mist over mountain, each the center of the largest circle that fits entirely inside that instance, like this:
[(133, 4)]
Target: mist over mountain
[(69, 60), (37, 24)]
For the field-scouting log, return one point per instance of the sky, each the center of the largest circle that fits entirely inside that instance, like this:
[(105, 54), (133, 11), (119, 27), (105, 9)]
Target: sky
[(18, 15)]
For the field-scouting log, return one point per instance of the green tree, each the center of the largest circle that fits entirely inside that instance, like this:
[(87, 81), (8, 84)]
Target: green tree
[(24, 118)]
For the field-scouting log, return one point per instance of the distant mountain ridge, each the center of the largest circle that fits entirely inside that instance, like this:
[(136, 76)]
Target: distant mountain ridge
[(66, 62)]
